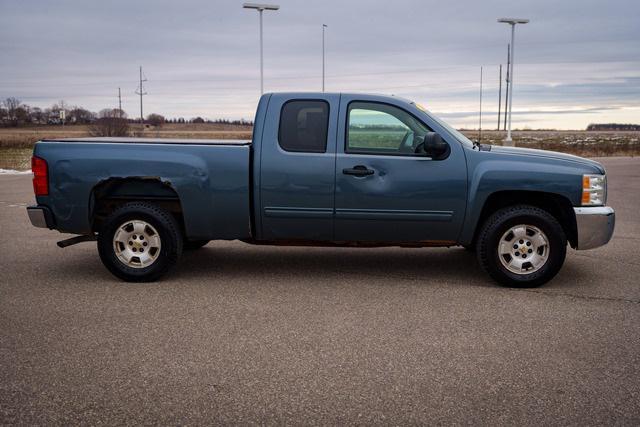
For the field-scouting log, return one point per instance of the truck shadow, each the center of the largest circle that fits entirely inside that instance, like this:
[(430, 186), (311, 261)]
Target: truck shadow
[(237, 262), (450, 266), (246, 262)]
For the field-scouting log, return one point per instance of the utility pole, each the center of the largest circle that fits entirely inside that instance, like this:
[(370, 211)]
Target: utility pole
[(119, 104), (499, 95), (506, 96), (480, 124), (141, 92), (323, 27)]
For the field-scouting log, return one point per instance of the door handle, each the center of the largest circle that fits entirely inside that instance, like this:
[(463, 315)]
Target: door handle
[(359, 170)]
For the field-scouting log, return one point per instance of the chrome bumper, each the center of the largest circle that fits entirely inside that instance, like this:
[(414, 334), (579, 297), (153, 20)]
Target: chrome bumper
[(595, 226)]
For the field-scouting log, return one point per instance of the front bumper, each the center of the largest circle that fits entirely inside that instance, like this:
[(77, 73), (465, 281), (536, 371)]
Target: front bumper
[(40, 216), (595, 226)]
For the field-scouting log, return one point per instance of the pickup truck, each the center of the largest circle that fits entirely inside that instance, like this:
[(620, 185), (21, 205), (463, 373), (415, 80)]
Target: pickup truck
[(324, 169)]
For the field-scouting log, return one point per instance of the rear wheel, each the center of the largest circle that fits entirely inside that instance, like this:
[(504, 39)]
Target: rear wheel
[(521, 246), (139, 242)]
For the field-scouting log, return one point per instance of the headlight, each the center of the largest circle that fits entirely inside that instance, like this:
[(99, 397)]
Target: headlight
[(594, 190)]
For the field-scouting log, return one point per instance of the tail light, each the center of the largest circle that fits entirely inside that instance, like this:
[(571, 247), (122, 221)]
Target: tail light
[(40, 176)]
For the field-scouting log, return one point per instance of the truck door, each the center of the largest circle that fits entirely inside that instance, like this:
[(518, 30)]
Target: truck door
[(385, 192), (297, 170)]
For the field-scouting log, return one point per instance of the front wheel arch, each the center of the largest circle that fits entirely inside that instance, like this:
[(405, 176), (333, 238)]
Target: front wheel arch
[(558, 206)]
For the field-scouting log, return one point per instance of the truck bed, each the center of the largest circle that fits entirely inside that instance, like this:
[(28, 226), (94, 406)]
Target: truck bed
[(210, 177), (122, 140)]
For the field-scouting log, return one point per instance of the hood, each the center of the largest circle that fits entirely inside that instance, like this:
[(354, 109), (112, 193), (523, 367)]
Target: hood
[(530, 152)]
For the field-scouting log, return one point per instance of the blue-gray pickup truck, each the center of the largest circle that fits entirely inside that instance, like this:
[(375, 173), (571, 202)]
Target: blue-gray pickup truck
[(328, 170)]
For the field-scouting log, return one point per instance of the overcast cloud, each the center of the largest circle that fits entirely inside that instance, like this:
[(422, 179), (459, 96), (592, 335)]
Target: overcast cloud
[(577, 62)]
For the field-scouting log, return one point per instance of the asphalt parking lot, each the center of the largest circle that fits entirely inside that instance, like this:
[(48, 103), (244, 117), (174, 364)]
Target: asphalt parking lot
[(244, 334)]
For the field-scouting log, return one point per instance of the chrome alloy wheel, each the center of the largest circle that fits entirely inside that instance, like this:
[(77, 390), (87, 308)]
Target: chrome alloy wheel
[(523, 249), (136, 244)]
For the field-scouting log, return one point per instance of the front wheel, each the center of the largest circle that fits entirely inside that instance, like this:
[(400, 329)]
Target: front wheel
[(521, 246), (139, 242)]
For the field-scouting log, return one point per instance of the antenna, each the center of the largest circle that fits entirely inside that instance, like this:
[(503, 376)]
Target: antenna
[(480, 124), (323, 27), (499, 95), (140, 91), (506, 96)]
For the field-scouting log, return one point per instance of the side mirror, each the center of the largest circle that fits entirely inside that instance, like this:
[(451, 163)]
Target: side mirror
[(434, 146)]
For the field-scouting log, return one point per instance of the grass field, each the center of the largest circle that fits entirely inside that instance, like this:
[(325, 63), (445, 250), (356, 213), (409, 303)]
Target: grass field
[(580, 143), (25, 137), (16, 143)]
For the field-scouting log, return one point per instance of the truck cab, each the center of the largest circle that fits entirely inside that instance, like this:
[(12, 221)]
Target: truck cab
[(353, 168)]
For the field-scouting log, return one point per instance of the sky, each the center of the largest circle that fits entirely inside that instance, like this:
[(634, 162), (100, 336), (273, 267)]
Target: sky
[(576, 62)]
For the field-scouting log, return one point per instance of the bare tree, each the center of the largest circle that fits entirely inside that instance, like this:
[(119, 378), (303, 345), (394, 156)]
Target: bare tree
[(12, 104), (81, 115), (21, 114), (112, 112), (110, 123), (36, 115)]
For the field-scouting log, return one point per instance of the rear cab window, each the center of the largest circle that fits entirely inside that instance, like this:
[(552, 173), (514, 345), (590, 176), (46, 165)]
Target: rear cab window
[(303, 126)]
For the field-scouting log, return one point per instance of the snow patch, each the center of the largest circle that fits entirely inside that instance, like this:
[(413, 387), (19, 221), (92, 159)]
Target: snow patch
[(13, 172)]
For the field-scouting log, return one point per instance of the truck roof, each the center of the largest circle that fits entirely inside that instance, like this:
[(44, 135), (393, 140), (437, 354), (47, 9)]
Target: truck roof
[(381, 96)]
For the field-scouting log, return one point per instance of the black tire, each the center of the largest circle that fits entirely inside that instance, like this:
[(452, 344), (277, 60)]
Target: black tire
[(167, 228), (192, 245), (499, 223)]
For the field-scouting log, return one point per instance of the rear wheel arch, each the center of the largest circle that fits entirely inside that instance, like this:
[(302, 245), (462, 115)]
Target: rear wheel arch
[(110, 194), (560, 207)]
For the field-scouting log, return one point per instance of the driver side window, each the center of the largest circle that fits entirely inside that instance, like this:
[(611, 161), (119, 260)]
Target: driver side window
[(374, 128)]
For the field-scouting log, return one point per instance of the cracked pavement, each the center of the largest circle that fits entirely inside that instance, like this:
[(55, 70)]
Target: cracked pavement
[(267, 335)]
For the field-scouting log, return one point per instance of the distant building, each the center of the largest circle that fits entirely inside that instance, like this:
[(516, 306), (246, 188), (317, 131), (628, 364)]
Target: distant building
[(613, 126)]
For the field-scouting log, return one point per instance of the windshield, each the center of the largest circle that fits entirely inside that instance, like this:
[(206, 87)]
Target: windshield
[(459, 135)]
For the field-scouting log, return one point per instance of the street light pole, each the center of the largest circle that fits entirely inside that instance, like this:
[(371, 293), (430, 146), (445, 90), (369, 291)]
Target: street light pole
[(511, 21), (323, 27), (261, 8), (513, 48)]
